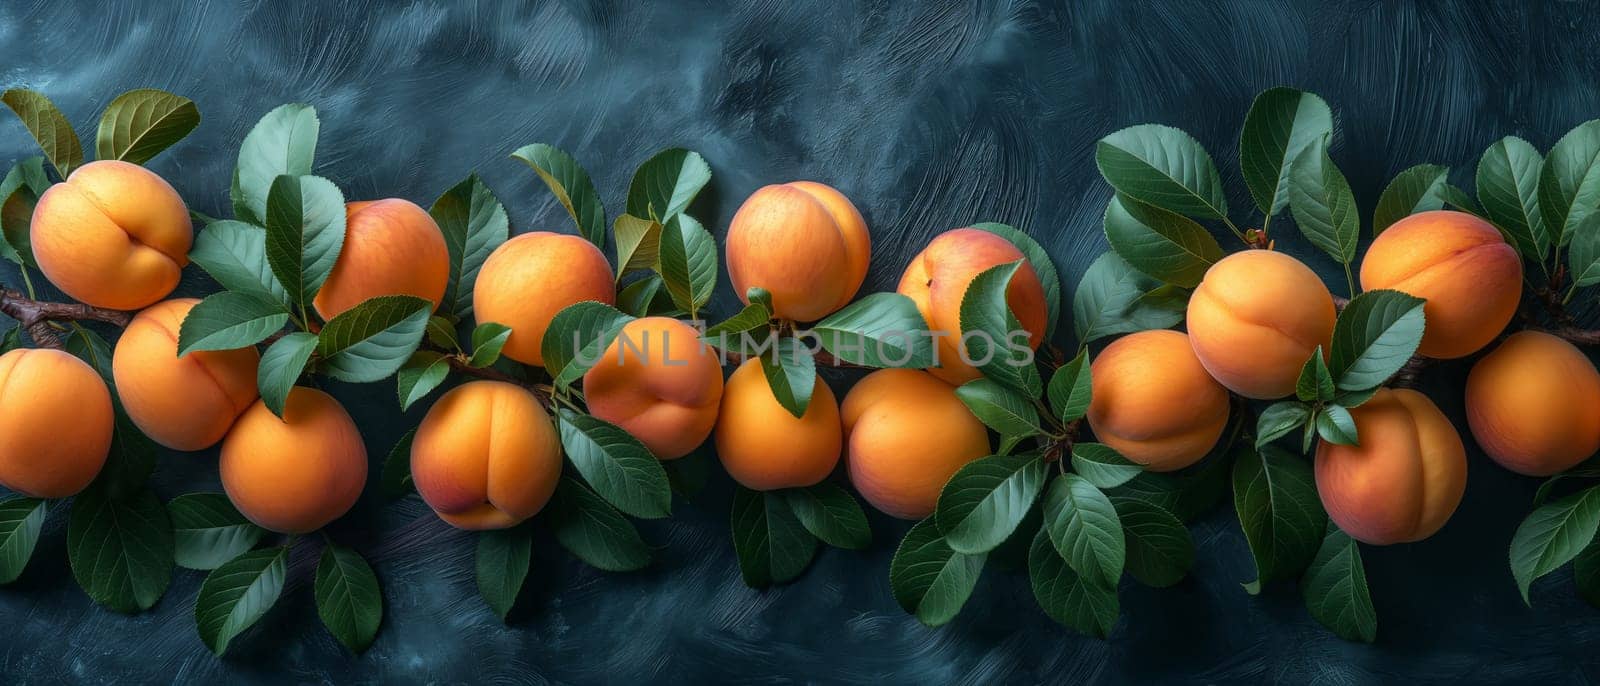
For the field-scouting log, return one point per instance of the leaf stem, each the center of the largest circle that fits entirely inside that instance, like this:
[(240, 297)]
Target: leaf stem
[(1349, 280), (1236, 232)]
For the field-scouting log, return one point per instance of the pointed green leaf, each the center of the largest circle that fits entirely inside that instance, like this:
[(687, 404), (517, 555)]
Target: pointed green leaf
[(1075, 601), (666, 183), (1070, 389), (239, 593), (396, 478), (1006, 411), (474, 223), (1335, 425), (594, 531), (1114, 298), (140, 123), (121, 549), (1508, 187), (1335, 589), (1165, 245), (372, 340), (1553, 535), (283, 143), (987, 327), (984, 501), (577, 337), (229, 321), (235, 254), (688, 262), (487, 341), (1374, 337), (1042, 265), (879, 330), (791, 374), (1162, 166), (638, 243), (1281, 125), (831, 514), (568, 181), (1569, 183), (1418, 189), (49, 127), (305, 232), (1279, 419), (1276, 498), (281, 367), (617, 465), (928, 578), (1160, 550), (1322, 204), (21, 520), (1085, 529), (1315, 382), (422, 373), (207, 530), (502, 563), (348, 599), (772, 545), (1103, 466)]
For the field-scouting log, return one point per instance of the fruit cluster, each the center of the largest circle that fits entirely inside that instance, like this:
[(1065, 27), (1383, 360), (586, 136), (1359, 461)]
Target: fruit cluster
[(588, 385)]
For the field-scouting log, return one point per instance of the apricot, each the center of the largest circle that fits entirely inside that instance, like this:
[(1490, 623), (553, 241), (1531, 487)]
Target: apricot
[(937, 280), (1152, 401), (1406, 477), (764, 447), (391, 247), (112, 235), (294, 475), (55, 423), (183, 403), (906, 434), (1256, 318), (1534, 404), (486, 456), (1469, 276), (530, 278), (803, 242), (658, 382)]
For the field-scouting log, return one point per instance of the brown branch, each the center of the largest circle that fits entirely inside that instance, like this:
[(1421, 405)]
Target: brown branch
[(1579, 336), (36, 316)]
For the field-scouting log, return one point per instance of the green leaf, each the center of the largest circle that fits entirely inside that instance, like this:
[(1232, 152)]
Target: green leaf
[(1508, 187), (372, 340), (983, 502), (474, 223), (1552, 535), (1006, 411), (1418, 189), (984, 309), (502, 562), (688, 262), (21, 520), (238, 594), (16, 220), (442, 332), (1335, 425), (1070, 389), (1322, 204), (593, 324), (235, 254), (396, 480), (140, 123), (666, 183), (568, 181), (283, 143), (754, 319), (1166, 245), (49, 127), (638, 243), (791, 373), (1165, 167), (879, 330), (928, 578), (1586, 574), (1374, 337), (1043, 267), (1114, 298), (1281, 125), (121, 549), (1189, 493), (1335, 589), (1279, 419), (228, 321), (645, 296), (1315, 382), (421, 374), (281, 367), (617, 465), (1569, 183), (1103, 466), (348, 599), (487, 341), (11, 339), (207, 531), (831, 514), (594, 531), (1584, 258), (1276, 498), (1160, 550), (1071, 599), (772, 545), (305, 232), (1085, 529)]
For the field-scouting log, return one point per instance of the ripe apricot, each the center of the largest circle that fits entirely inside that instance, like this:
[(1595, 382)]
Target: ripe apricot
[(294, 475), (486, 456), (183, 403), (112, 235), (803, 242), (55, 423), (1404, 480), (1469, 276), (530, 278), (937, 280), (763, 446), (906, 434), (1153, 402), (391, 247), (660, 383), (1256, 318), (1534, 404)]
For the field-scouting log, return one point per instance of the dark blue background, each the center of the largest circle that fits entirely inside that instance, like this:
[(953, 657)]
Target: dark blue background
[(929, 116)]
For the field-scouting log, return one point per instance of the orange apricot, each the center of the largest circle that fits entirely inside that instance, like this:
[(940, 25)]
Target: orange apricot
[(658, 382), (486, 456), (1469, 276), (1534, 404), (183, 403), (391, 247), (296, 474), (906, 434), (763, 446), (530, 278), (1405, 478), (1256, 318), (55, 423), (1152, 401), (803, 242), (112, 235)]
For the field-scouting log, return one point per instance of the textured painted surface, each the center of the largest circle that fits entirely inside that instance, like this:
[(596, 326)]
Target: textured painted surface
[(930, 116)]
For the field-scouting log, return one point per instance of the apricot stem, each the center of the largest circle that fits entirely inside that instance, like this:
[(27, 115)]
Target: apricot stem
[(36, 316)]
